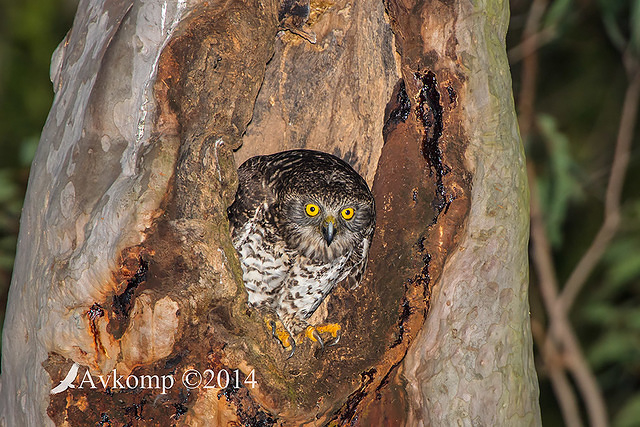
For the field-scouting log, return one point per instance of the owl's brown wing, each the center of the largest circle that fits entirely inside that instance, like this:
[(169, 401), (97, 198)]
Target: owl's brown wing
[(358, 263), (254, 195)]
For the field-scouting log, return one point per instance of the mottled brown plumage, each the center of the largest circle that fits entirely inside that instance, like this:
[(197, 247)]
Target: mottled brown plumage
[(302, 221)]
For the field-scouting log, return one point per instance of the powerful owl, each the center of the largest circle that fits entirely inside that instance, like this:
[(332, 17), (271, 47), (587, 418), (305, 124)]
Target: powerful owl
[(302, 221)]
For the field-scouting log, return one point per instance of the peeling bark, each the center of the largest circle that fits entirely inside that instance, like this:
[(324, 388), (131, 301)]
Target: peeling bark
[(127, 265)]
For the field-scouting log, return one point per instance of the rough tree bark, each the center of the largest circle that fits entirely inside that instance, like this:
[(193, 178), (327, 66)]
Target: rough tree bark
[(125, 263)]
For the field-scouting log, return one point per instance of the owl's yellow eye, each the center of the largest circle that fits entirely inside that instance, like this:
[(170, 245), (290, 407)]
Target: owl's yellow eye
[(312, 209), (347, 213)]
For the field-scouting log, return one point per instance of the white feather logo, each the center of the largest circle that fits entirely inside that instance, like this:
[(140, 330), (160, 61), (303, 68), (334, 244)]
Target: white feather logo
[(68, 380)]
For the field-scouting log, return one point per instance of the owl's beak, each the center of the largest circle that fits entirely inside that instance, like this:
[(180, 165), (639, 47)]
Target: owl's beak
[(329, 229)]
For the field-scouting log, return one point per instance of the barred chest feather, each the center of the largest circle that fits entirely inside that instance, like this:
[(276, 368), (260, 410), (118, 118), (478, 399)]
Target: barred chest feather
[(280, 278)]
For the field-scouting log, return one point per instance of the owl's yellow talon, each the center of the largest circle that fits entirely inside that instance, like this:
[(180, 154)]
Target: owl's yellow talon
[(332, 328), (284, 338), (278, 330), (313, 333)]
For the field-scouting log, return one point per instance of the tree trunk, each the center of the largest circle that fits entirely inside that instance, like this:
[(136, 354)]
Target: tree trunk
[(125, 270)]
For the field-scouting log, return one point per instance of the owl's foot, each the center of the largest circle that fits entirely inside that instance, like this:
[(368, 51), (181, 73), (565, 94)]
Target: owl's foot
[(313, 333), (281, 334)]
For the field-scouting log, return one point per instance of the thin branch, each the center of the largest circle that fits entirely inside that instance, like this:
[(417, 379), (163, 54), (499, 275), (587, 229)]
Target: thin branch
[(611, 221), (545, 270), (527, 94), (531, 44), (541, 248), (566, 397), (581, 372), (555, 366)]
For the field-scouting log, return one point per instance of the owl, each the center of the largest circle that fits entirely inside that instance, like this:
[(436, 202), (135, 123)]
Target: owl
[(302, 221)]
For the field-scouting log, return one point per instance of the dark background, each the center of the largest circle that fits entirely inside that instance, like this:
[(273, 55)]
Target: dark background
[(580, 86)]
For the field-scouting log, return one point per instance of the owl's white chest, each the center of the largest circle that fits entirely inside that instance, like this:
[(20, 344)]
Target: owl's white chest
[(309, 283), (282, 278)]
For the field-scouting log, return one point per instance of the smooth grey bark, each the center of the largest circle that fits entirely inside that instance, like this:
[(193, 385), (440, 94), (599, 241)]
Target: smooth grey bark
[(96, 183)]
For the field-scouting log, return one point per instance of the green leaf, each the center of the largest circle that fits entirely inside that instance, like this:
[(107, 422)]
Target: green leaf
[(8, 187), (633, 319), (557, 12), (634, 24), (623, 262), (7, 252), (600, 313), (611, 10), (28, 150), (629, 415), (558, 187), (613, 347)]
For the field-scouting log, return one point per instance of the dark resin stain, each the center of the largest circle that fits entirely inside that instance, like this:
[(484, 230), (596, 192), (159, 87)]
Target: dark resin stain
[(403, 105), (405, 313), (135, 410), (95, 312), (349, 408), (429, 112), (385, 380), (423, 279), (104, 420), (122, 303), (294, 8), (398, 109), (453, 96), (250, 413)]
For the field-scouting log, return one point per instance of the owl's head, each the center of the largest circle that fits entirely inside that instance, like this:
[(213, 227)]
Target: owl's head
[(326, 213)]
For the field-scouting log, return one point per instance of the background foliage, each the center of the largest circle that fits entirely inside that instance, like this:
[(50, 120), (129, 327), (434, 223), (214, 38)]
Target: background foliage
[(581, 81)]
